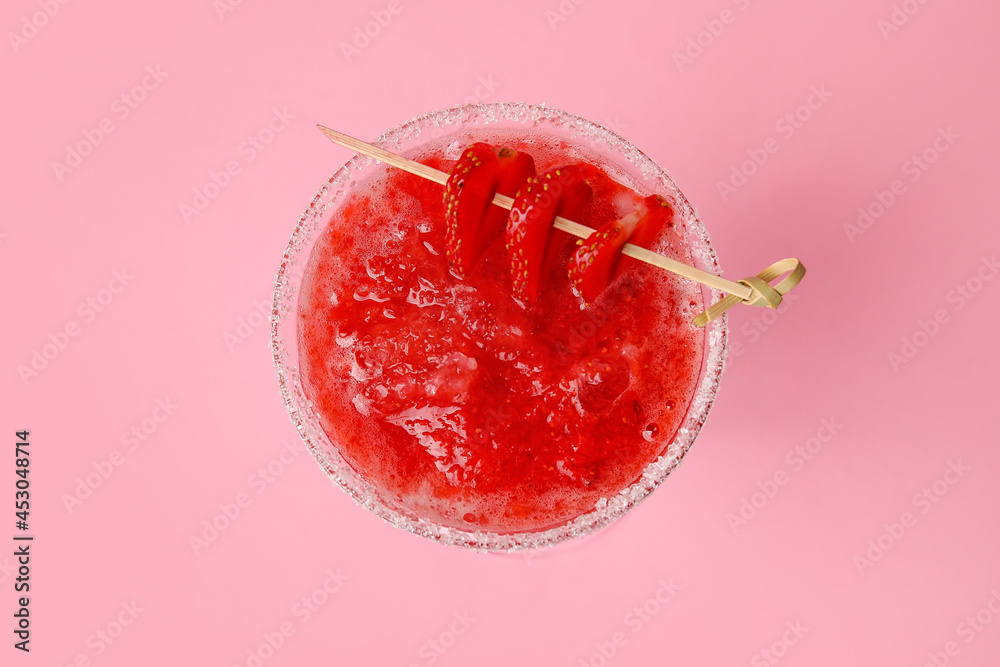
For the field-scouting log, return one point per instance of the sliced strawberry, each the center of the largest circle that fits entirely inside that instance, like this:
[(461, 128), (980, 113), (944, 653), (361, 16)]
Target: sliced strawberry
[(563, 191), (471, 222), (592, 266), (659, 216), (597, 261), (515, 170), (466, 195)]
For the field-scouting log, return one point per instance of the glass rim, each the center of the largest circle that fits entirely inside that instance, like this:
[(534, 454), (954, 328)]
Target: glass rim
[(284, 308)]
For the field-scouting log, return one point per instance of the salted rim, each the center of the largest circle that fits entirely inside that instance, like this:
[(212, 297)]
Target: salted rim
[(284, 338)]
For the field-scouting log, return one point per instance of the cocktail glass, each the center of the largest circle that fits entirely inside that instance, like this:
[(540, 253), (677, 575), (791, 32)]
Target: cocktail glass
[(630, 166)]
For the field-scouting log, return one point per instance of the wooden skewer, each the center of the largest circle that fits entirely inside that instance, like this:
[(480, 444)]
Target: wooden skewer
[(745, 291), (575, 228)]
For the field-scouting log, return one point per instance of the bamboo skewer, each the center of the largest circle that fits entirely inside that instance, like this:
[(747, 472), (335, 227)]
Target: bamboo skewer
[(753, 291)]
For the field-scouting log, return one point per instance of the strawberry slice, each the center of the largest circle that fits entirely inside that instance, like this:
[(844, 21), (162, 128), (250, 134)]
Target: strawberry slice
[(597, 260), (659, 216), (562, 191), (471, 222), (516, 168)]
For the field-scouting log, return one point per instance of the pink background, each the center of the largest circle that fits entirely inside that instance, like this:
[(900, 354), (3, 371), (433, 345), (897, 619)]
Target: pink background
[(183, 329)]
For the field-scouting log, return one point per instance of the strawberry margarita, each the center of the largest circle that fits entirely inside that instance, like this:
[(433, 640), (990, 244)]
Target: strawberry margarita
[(462, 384)]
